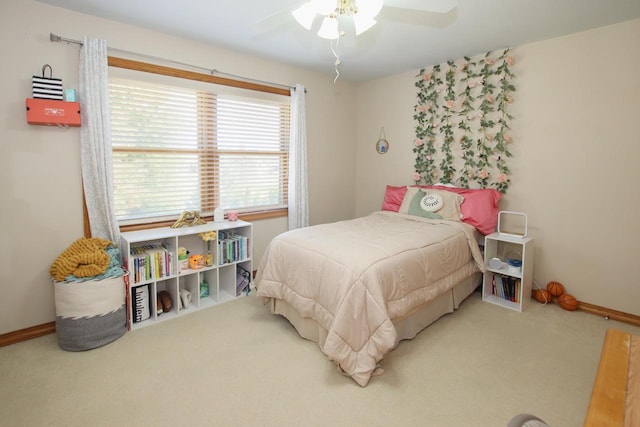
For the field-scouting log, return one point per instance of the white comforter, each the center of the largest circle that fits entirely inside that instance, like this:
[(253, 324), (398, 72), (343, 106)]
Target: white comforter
[(355, 277)]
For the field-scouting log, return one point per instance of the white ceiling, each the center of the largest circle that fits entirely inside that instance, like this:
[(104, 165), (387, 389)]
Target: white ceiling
[(401, 41)]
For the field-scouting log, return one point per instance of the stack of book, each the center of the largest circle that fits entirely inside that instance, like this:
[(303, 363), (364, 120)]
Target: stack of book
[(232, 247), (506, 287), (150, 262)]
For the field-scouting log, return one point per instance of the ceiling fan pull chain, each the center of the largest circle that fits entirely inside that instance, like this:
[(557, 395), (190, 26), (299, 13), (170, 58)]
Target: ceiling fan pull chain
[(336, 53)]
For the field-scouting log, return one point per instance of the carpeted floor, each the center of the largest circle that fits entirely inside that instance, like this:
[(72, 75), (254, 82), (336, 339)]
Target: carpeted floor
[(238, 365)]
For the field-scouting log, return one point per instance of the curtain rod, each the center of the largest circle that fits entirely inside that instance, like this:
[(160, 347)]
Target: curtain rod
[(213, 71)]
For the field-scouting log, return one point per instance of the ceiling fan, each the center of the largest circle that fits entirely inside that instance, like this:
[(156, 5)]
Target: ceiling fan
[(362, 13), (334, 16)]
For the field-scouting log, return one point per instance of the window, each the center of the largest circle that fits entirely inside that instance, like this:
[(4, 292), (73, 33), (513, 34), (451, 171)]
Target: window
[(181, 149)]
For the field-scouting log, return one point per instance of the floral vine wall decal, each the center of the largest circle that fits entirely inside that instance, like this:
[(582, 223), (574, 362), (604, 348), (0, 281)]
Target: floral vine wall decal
[(462, 135)]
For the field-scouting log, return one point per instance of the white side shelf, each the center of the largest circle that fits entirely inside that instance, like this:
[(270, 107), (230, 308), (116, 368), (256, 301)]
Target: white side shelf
[(231, 251), (504, 286)]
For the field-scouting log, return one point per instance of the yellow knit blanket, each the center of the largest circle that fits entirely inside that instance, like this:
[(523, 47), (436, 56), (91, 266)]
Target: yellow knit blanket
[(85, 257)]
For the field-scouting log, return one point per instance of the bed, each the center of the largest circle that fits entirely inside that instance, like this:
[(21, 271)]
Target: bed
[(358, 287)]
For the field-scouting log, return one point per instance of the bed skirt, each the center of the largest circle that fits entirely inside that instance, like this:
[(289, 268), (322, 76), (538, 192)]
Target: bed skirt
[(90, 314), (407, 327)]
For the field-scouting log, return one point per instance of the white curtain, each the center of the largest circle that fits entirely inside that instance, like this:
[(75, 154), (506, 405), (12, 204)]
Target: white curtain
[(95, 139), (298, 198)]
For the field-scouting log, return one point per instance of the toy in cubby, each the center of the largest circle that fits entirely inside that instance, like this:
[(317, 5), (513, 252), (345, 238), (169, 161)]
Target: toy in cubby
[(196, 261), (183, 258)]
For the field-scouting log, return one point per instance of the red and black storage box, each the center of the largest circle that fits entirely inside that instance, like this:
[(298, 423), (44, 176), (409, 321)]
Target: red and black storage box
[(53, 113)]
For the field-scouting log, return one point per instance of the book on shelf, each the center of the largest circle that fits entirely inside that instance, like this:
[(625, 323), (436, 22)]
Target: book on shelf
[(151, 262), (506, 287), (243, 279), (140, 304), (232, 247)]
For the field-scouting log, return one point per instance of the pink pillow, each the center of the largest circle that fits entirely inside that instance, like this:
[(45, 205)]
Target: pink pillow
[(393, 197), (479, 208)]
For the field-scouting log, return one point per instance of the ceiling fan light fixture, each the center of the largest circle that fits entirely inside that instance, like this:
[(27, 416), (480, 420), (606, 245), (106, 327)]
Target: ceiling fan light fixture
[(362, 23), (305, 15), (329, 28), (369, 8)]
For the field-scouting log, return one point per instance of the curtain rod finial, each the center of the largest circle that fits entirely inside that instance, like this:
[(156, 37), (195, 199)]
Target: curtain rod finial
[(54, 37)]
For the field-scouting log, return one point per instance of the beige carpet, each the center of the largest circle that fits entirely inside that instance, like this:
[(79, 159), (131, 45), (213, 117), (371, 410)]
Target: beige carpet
[(238, 365)]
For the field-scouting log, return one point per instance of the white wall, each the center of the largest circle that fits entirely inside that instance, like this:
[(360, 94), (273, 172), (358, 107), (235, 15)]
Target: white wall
[(41, 191), (576, 150), (574, 170)]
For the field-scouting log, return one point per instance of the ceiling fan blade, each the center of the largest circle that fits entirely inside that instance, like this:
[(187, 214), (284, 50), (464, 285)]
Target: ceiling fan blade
[(416, 17), (274, 23), (437, 6), (279, 19)]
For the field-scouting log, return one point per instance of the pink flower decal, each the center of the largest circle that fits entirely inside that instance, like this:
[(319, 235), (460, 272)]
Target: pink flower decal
[(502, 177), (419, 142), (510, 60), (483, 174), (490, 61), (427, 77), (415, 176), (429, 158), (489, 137), (509, 99), (491, 99), (450, 104), (507, 138)]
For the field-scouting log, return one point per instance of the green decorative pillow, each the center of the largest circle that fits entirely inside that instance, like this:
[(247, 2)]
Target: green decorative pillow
[(433, 204)]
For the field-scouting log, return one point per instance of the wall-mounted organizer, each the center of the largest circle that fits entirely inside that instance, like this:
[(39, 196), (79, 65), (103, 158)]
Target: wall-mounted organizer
[(160, 274), (51, 112)]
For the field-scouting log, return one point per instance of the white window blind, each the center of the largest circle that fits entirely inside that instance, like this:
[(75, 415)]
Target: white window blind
[(180, 149)]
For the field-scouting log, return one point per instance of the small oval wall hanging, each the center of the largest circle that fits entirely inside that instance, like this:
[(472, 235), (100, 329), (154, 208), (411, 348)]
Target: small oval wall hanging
[(382, 146)]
